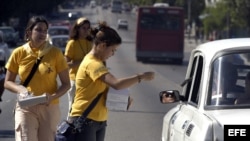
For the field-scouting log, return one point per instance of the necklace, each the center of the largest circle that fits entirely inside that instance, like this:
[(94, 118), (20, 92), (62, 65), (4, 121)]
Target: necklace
[(82, 47)]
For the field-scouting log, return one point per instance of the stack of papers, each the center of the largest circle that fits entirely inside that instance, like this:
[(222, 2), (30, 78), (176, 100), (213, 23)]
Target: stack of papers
[(32, 100), (117, 100)]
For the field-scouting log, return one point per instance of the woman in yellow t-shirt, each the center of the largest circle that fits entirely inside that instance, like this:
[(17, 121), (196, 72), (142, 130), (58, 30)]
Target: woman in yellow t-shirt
[(93, 78), (38, 122), (77, 47)]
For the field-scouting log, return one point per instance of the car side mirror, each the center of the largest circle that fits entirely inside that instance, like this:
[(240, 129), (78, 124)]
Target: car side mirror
[(169, 96)]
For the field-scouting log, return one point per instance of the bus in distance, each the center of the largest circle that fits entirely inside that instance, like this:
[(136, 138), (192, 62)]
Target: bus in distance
[(160, 34), (116, 6)]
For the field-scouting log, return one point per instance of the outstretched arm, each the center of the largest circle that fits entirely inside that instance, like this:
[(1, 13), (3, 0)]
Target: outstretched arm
[(127, 82)]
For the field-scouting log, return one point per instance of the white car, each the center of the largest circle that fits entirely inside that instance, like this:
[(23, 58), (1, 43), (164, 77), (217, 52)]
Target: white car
[(92, 4), (59, 41), (122, 24), (215, 97), (58, 30)]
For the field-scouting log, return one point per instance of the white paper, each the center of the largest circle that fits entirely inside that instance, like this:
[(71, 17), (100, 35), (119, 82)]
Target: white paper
[(33, 100), (117, 100)]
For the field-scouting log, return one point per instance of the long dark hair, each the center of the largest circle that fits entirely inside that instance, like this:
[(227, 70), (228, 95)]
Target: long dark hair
[(32, 23)]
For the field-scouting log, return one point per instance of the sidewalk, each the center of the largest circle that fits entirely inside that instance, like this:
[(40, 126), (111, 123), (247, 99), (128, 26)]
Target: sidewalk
[(190, 43)]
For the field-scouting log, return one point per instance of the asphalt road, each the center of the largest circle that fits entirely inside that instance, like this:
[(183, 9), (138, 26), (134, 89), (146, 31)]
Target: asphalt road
[(144, 120)]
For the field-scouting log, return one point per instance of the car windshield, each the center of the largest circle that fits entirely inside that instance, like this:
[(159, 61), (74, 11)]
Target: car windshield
[(123, 21), (58, 31), (230, 80)]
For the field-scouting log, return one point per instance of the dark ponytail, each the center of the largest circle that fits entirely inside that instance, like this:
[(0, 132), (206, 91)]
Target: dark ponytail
[(104, 33)]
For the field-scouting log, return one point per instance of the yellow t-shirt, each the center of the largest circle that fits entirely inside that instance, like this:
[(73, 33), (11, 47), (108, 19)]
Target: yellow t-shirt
[(76, 50), (44, 80), (88, 86)]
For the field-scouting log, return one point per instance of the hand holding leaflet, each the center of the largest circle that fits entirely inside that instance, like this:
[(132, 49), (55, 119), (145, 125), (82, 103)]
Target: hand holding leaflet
[(28, 99)]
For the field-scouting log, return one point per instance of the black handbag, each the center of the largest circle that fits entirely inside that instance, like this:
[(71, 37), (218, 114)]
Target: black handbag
[(67, 131)]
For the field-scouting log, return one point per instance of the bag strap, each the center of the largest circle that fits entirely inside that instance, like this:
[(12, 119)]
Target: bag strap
[(32, 72), (90, 107)]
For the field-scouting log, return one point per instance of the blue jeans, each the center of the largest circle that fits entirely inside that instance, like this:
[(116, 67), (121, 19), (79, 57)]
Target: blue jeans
[(92, 131)]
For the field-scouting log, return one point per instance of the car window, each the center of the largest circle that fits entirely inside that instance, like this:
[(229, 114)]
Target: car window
[(192, 88), (188, 85), (194, 85), (160, 22), (58, 31), (228, 80), (122, 21), (197, 81)]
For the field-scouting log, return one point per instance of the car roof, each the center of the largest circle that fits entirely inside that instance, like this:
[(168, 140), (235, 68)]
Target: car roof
[(58, 26), (216, 46), (212, 48), (59, 36)]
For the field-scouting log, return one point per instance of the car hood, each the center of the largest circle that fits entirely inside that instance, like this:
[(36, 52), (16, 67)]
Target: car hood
[(236, 116)]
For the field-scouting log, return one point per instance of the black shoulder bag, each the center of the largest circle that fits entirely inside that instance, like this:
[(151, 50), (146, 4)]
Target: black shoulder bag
[(32, 72), (67, 131)]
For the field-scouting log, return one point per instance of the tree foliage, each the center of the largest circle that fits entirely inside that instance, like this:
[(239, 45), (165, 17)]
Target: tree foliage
[(22, 9), (216, 18), (228, 15), (196, 8)]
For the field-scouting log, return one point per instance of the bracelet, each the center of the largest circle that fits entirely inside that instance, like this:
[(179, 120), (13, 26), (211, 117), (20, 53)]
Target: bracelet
[(139, 78)]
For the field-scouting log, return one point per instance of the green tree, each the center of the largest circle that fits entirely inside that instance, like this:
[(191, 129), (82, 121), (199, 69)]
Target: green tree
[(196, 8), (230, 16), (239, 12), (216, 18)]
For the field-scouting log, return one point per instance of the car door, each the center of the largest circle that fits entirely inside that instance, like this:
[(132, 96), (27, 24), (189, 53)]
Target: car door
[(180, 124)]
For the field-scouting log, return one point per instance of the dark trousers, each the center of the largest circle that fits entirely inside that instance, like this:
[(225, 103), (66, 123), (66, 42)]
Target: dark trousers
[(92, 131)]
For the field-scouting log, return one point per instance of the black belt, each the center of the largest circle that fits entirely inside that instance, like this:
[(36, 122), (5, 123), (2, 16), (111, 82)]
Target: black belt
[(72, 119)]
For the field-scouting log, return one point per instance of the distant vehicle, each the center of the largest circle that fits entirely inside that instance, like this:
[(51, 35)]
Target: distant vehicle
[(160, 34), (72, 16), (122, 24), (64, 17), (92, 4), (58, 30), (159, 4), (10, 35), (116, 6), (215, 96), (126, 7), (60, 23), (59, 41), (105, 6)]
